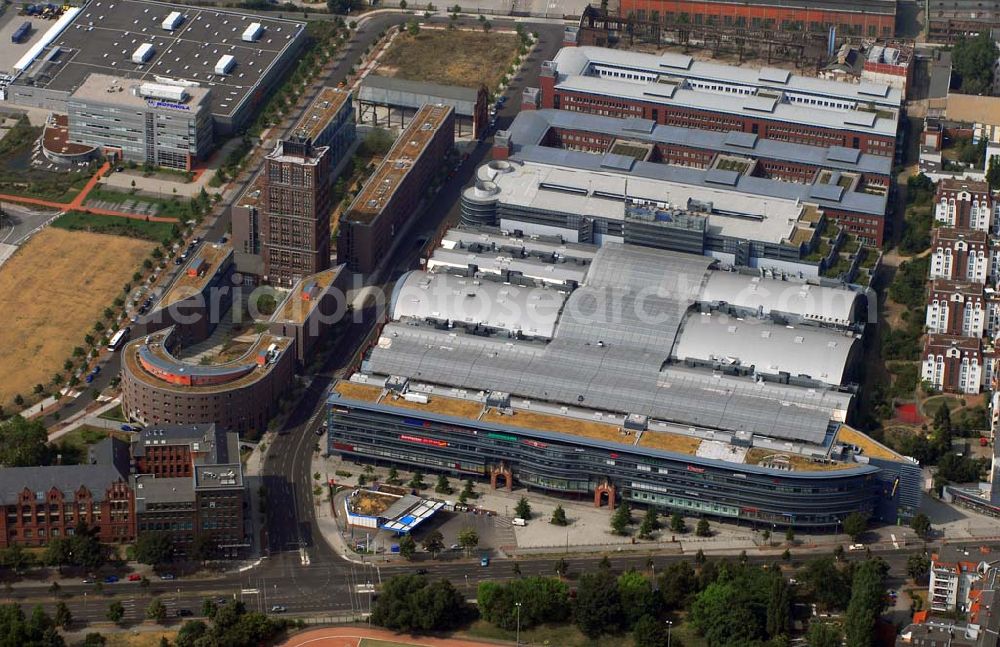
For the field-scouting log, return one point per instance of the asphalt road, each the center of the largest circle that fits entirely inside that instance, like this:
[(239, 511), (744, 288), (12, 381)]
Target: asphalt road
[(340, 587)]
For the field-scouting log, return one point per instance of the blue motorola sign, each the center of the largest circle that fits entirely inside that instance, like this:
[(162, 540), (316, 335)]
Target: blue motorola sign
[(156, 103)]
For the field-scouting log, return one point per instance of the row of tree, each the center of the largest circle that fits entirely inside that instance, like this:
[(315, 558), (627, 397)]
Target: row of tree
[(730, 604)]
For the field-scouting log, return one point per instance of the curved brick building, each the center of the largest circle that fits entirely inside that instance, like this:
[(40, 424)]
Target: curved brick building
[(239, 394)]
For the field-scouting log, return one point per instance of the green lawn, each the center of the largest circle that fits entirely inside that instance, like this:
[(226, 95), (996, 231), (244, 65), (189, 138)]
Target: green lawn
[(932, 403), (114, 414), (80, 221), (73, 446), (172, 207)]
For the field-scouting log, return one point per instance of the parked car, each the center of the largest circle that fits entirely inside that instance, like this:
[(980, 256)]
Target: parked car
[(89, 378), (484, 560), (134, 577), (168, 576), (184, 613), (111, 579), (278, 609), (88, 580), (421, 571)]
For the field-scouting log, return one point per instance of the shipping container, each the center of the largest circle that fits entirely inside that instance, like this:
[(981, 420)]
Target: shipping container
[(253, 32), (172, 21), (225, 64), (142, 54), (21, 33)]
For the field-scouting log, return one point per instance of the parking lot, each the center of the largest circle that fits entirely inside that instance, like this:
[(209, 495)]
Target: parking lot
[(9, 22)]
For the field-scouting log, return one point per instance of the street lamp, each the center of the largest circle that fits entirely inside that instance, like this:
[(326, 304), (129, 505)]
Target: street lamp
[(670, 626), (517, 639)]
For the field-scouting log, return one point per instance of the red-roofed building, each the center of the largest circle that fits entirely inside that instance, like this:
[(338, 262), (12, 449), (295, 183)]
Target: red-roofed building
[(954, 570)]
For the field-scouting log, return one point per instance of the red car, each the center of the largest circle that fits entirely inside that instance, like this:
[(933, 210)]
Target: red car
[(134, 577)]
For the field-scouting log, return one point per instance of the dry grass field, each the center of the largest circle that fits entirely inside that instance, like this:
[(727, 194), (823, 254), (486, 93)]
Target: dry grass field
[(54, 288), (450, 57)]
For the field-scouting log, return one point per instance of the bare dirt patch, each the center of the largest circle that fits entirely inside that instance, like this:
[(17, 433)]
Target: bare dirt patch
[(450, 57), (54, 288)]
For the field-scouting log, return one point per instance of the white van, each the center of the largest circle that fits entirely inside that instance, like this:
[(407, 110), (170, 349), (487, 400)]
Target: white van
[(518, 521)]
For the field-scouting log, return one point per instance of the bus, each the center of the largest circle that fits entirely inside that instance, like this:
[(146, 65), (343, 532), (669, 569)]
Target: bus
[(118, 339)]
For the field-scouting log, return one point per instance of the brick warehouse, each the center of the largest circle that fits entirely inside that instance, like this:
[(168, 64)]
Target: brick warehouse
[(849, 17), (186, 481), (674, 89)]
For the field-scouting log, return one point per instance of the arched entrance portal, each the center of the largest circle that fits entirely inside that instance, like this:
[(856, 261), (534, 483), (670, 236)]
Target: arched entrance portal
[(605, 492), (503, 474)]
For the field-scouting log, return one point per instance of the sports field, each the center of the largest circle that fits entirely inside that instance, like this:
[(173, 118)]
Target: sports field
[(450, 57), (54, 288)]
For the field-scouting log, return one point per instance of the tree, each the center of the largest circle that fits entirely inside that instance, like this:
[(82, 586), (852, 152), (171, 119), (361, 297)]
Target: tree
[(598, 605), (433, 543), (523, 508), (407, 547), (412, 604), (973, 60), (63, 617), (826, 583), (650, 523), (116, 612), (209, 608), (650, 632), (867, 602), (154, 548), (413, 27), (993, 172), (417, 481), (85, 547), (722, 614), (469, 490), (443, 486), (393, 478), (402, 4), (702, 529), (559, 517), (921, 525), (637, 597), (542, 600), (677, 523), (823, 635), (54, 589), (779, 608), (342, 7), (156, 611), (676, 583), (23, 443), (789, 534), (699, 557), (487, 26), (856, 524), (190, 632), (94, 639), (621, 519), (918, 567), (561, 567), (468, 539)]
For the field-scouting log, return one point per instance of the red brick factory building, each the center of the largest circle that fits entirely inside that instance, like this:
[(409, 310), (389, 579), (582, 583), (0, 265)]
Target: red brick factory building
[(392, 194), (675, 89), (856, 18), (185, 481)]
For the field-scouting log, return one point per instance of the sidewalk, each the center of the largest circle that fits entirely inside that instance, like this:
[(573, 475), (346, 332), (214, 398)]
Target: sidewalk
[(86, 417)]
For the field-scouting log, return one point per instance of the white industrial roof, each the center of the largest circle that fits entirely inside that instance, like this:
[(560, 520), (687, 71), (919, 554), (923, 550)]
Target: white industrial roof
[(811, 302), (602, 194), (577, 61), (532, 311), (499, 262), (818, 353), (851, 120)]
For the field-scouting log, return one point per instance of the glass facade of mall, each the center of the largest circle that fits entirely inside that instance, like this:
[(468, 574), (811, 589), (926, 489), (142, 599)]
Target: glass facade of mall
[(570, 465)]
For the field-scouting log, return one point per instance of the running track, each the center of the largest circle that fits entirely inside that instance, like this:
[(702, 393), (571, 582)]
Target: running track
[(77, 203), (350, 636)]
